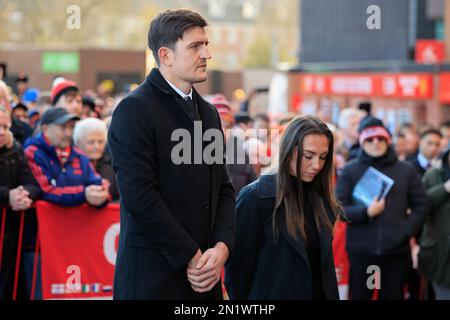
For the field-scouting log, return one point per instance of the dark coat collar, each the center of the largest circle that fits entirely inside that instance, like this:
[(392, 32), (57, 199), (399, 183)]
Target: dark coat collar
[(156, 78), (206, 110), (9, 152), (267, 189)]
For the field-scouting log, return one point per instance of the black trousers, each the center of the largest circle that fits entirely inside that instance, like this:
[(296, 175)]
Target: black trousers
[(393, 275)]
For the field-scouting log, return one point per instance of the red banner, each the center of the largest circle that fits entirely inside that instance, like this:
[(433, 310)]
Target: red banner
[(444, 91), (389, 85), (341, 261), (78, 250)]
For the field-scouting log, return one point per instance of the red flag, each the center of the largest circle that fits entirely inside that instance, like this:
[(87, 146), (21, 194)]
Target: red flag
[(341, 261), (78, 250)]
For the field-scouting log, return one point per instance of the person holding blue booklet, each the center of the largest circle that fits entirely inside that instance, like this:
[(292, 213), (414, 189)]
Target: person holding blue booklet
[(378, 233)]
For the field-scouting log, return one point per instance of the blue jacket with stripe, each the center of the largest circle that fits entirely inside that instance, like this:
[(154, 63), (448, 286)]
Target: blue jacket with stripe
[(60, 184)]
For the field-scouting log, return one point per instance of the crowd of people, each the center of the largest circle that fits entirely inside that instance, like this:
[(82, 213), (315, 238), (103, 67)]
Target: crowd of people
[(405, 234), (53, 147)]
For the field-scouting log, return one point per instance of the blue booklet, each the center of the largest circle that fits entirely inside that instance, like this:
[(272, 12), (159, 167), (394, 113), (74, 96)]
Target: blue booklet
[(373, 184)]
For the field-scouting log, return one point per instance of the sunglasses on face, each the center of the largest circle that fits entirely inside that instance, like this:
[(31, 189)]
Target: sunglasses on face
[(372, 139)]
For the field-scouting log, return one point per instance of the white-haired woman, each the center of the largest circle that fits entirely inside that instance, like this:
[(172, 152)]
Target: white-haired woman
[(90, 136)]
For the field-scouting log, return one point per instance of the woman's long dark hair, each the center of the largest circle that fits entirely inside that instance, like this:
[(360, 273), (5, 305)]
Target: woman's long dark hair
[(290, 189)]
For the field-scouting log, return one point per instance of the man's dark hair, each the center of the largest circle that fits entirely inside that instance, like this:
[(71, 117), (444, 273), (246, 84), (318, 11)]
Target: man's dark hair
[(365, 106), (261, 117), (407, 126), (426, 132), (169, 26), (242, 117)]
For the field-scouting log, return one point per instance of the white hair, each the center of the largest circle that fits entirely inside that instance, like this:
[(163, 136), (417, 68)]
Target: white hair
[(347, 114), (87, 126)]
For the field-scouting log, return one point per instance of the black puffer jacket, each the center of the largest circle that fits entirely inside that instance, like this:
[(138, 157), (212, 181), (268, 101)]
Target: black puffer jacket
[(389, 233), (14, 171)]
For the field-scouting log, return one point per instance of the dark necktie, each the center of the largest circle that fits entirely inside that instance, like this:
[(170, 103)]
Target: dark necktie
[(192, 109)]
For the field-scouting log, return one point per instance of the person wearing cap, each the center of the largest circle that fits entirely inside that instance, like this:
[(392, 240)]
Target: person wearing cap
[(379, 235), (65, 175), (20, 129), (30, 97), (241, 172), (20, 112), (66, 94)]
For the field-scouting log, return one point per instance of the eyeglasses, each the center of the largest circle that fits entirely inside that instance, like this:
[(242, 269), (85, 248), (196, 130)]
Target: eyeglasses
[(372, 139)]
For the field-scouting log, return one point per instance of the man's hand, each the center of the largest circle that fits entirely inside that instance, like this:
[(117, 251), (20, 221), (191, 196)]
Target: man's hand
[(96, 195), (206, 273), (194, 260), (415, 249), (19, 199), (376, 208), (106, 184)]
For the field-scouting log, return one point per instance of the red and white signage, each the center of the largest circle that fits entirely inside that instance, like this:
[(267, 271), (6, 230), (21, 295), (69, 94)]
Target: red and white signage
[(394, 85), (78, 250), (430, 51)]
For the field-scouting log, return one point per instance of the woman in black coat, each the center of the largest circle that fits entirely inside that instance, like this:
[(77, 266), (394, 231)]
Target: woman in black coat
[(18, 189), (285, 221)]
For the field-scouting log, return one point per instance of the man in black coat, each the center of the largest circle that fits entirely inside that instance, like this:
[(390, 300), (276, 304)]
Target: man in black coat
[(429, 145), (177, 218), (378, 235)]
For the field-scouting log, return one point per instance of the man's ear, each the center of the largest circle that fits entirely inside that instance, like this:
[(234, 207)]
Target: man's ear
[(165, 56)]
